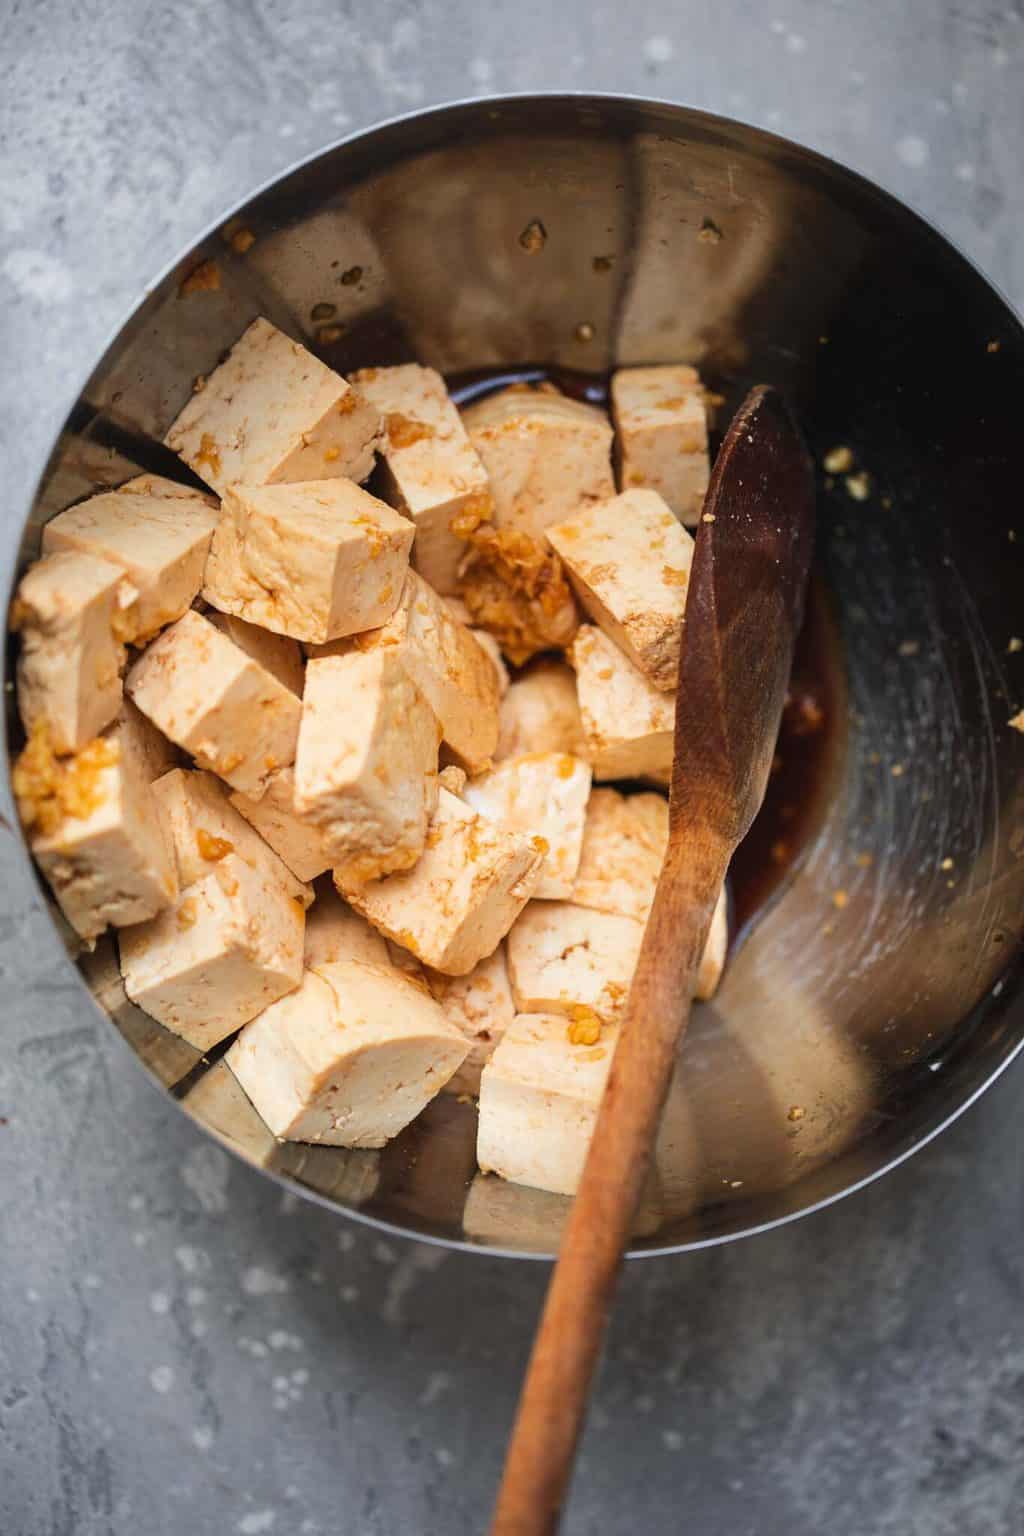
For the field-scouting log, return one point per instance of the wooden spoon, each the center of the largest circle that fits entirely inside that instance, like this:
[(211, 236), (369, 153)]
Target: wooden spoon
[(743, 612)]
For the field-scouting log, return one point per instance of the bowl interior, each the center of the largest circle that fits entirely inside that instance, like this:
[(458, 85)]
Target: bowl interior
[(874, 994)]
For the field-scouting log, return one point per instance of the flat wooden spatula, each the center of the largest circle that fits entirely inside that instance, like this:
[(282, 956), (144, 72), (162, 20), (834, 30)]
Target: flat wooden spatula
[(743, 612)]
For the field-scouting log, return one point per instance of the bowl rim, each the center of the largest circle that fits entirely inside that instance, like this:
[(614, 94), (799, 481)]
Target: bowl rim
[(9, 552)]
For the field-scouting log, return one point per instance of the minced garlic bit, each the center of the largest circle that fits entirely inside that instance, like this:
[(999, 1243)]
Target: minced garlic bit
[(897, 770), (1015, 645), (188, 912), (584, 1026), (707, 517), (534, 237), (403, 431), (212, 847), (49, 788), (204, 278), (474, 511), (1017, 721), (709, 233), (909, 647), (208, 454), (859, 485), (584, 331), (796, 1112), (514, 587), (838, 461), (946, 864)]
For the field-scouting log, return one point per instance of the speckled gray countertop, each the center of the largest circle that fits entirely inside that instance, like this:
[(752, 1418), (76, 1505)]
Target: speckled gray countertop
[(181, 1349)]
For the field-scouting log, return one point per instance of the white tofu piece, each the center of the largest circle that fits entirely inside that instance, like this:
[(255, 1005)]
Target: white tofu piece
[(627, 724), (623, 851), (571, 960), (493, 650), (316, 560), (543, 794), (335, 932), (278, 654), (155, 754), (463, 896), (481, 1008), (349, 1059), (209, 697), (541, 713), (662, 435), (450, 669), (712, 962), (157, 532), (366, 765), (539, 1098), (69, 612), (93, 829), (544, 455), (230, 946), (431, 472), (303, 846), (203, 827), (273, 413), (629, 562)]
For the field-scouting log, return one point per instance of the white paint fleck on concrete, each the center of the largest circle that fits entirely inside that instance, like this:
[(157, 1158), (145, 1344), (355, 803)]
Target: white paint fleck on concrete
[(437, 1383), (38, 275), (280, 1338), (160, 1303), (481, 71), (659, 49), (194, 1261), (444, 1456), (197, 1327), (202, 1437), (91, 1282), (384, 1254), (140, 1239), (137, 1202), (254, 1524), (417, 1261), (913, 151), (349, 1293), (346, 1241), (205, 1172), (258, 1281), (964, 171), (254, 1347), (195, 1295), (777, 26), (796, 43), (671, 1439), (161, 1378)]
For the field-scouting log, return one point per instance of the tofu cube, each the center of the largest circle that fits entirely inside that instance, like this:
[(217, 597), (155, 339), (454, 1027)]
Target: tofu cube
[(70, 611), (628, 725), (544, 455), (349, 1059), (543, 794), (622, 855), (335, 932), (93, 829), (662, 435), (273, 413), (463, 896), (431, 472), (541, 713), (278, 654), (539, 1098), (230, 946), (155, 754), (366, 765), (316, 560), (481, 1008), (629, 563), (157, 532), (294, 838), (571, 960), (209, 697)]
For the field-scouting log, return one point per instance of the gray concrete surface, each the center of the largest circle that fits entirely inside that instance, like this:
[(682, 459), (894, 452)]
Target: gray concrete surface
[(180, 1350)]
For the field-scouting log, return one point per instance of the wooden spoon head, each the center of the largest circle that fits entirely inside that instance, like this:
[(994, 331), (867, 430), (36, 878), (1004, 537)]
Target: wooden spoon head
[(744, 608)]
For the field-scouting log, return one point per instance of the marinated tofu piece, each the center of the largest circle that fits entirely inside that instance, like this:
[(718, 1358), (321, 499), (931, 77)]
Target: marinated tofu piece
[(366, 766), (70, 613), (150, 747), (302, 845), (209, 697), (431, 472), (157, 532), (541, 713), (712, 962), (92, 827), (662, 435), (335, 932), (571, 960), (273, 413), (316, 560), (481, 1008), (486, 639), (278, 654), (463, 896), (539, 1097), (624, 846), (230, 946), (544, 455), (627, 723), (629, 562), (543, 794), (514, 587), (349, 1059)]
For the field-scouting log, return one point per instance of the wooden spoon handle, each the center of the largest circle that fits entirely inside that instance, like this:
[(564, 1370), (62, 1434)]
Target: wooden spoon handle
[(568, 1342)]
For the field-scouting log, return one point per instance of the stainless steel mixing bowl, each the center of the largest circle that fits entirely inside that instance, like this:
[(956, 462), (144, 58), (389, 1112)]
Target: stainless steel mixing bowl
[(877, 993)]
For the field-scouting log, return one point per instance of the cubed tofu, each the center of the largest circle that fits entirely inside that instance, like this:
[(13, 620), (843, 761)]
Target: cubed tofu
[(492, 649), (203, 827), (622, 855), (209, 697), (571, 960), (230, 946), (93, 829), (157, 532), (712, 962), (279, 654), (481, 1008), (317, 560), (629, 562), (544, 455), (349, 1059), (366, 765), (539, 1098), (544, 794), (273, 413), (541, 713), (450, 669), (69, 612), (627, 724), (155, 754), (302, 845), (431, 472), (662, 435), (463, 896), (335, 932)]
